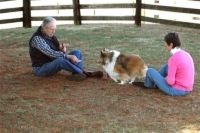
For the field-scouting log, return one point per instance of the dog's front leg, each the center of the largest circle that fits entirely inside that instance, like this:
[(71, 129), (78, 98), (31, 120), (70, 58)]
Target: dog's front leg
[(114, 78)]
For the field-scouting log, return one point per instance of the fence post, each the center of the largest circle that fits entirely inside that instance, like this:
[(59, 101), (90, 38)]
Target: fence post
[(138, 12), (27, 13), (77, 14)]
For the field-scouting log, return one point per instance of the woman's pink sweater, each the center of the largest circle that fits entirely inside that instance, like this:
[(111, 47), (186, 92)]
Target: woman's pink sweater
[(181, 71)]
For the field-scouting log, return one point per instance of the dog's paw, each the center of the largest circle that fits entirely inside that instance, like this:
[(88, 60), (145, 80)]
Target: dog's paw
[(121, 82), (130, 82)]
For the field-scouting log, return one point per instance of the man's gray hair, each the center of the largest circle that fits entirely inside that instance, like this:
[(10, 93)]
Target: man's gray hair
[(47, 20)]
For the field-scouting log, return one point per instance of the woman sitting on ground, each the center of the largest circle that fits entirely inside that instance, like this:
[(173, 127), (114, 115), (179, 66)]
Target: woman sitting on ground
[(176, 78)]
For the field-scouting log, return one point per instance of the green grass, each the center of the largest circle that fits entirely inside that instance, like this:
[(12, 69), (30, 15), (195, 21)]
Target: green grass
[(44, 105), (146, 41)]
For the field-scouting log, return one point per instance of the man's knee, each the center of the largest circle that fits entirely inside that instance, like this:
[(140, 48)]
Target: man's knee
[(76, 52)]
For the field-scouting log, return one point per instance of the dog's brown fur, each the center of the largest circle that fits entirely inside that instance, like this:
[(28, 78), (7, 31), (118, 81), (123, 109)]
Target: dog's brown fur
[(130, 65)]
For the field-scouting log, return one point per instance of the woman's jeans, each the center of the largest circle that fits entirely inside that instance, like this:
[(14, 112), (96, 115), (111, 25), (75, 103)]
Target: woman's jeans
[(60, 64), (157, 79)]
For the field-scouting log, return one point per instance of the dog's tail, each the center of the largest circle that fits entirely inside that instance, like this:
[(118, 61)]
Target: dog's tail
[(143, 72)]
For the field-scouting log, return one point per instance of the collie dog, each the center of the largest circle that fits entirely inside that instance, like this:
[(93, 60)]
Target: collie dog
[(122, 68)]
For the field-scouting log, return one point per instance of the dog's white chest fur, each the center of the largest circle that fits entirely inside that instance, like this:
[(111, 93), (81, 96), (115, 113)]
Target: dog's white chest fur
[(109, 67)]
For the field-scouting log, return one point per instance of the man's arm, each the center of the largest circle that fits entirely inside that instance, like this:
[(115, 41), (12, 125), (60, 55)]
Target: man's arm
[(40, 44)]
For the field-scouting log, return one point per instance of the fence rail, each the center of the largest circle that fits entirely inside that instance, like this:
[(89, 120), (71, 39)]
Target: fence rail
[(11, 10), (104, 6), (171, 9), (125, 18), (171, 22), (6, 0), (56, 17), (13, 20), (77, 18), (52, 7)]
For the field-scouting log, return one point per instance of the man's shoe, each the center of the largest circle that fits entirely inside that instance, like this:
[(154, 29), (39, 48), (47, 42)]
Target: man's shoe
[(97, 74), (77, 77)]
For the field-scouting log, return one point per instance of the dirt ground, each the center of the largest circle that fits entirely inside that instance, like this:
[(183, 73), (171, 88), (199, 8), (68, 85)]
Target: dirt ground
[(56, 105)]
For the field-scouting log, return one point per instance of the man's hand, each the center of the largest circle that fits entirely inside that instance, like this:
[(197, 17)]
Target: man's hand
[(63, 47), (73, 58)]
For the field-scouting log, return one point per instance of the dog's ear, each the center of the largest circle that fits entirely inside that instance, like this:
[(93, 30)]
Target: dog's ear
[(105, 50), (102, 52)]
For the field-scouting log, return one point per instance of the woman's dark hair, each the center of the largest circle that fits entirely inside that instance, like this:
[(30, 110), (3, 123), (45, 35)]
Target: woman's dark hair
[(172, 38)]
